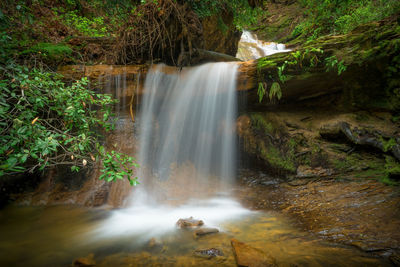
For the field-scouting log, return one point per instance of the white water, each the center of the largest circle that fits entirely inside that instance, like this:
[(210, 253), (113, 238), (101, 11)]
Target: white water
[(145, 221), (187, 152), (250, 47)]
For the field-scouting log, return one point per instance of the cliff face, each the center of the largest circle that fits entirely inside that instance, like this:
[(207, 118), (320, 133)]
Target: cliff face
[(221, 39), (337, 109)]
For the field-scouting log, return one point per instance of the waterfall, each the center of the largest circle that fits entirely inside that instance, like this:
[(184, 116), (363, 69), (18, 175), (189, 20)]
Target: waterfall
[(187, 119), (250, 47), (187, 152)]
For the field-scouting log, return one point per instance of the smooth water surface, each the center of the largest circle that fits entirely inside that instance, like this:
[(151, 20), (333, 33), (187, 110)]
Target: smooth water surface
[(55, 236)]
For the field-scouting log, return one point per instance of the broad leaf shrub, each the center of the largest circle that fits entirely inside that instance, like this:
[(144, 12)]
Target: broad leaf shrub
[(44, 123)]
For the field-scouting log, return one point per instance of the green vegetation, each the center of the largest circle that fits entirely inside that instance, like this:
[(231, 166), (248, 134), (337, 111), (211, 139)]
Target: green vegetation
[(341, 16), (46, 122), (243, 14), (275, 91), (95, 27), (260, 123), (332, 63), (260, 91), (54, 52)]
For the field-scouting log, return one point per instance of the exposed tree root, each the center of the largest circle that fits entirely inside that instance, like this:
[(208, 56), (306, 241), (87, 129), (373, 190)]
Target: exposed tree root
[(360, 137), (159, 31)]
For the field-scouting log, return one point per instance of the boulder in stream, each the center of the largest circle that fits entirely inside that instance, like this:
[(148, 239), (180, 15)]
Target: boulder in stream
[(248, 256), (208, 253), (205, 231), (189, 222)]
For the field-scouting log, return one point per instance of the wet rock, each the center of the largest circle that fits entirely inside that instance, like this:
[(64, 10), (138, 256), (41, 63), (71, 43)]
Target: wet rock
[(205, 231), (308, 172), (395, 259), (208, 253), (189, 222), (246, 255), (85, 261)]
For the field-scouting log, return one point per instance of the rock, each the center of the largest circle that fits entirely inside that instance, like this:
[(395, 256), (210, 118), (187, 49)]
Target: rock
[(246, 255), (208, 253), (189, 222), (205, 231), (308, 172), (218, 40), (85, 261)]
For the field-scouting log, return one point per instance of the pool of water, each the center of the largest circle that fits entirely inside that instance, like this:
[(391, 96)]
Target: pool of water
[(147, 236)]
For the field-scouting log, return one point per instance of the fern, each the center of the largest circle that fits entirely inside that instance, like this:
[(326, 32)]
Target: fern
[(275, 91), (261, 91)]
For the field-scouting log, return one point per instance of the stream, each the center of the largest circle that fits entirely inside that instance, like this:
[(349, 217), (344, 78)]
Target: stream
[(187, 153), (148, 236)]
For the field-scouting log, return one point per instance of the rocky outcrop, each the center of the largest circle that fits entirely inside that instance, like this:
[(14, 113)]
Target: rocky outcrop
[(299, 143), (362, 137), (279, 22), (355, 65), (220, 34)]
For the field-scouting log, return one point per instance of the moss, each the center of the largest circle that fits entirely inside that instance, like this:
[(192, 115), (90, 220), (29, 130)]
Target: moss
[(52, 51), (392, 170), (259, 123), (387, 145), (265, 63), (362, 117), (276, 160)]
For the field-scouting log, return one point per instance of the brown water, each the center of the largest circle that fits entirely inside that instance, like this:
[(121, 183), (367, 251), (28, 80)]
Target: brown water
[(55, 236)]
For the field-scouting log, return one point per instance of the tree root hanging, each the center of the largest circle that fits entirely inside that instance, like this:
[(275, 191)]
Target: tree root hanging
[(158, 30), (359, 137)]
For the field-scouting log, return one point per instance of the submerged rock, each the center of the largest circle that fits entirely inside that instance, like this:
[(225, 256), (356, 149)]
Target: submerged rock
[(246, 255), (85, 261), (208, 253), (205, 231), (189, 222)]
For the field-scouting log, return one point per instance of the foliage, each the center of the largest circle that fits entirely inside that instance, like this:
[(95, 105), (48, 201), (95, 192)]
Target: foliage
[(387, 145), (94, 27), (333, 62), (261, 91), (45, 123), (244, 15), (52, 51), (392, 168), (117, 166), (275, 91), (341, 16), (299, 59)]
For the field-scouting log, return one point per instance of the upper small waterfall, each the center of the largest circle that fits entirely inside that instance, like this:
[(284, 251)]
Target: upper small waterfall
[(250, 47), (187, 118)]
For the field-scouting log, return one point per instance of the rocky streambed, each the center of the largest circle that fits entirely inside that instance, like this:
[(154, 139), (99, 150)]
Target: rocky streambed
[(363, 213), (279, 224)]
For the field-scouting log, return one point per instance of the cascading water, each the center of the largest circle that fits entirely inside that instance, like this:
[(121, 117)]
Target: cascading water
[(187, 151), (250, 47), (187, 118)]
